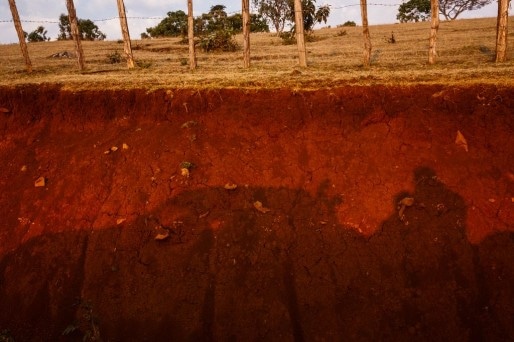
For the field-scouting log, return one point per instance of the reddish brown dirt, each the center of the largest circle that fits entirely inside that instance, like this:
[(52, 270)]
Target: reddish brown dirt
[(331, 260)]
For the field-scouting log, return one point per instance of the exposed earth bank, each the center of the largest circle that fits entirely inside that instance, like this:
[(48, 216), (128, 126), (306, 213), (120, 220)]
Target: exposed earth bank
[(353, 213)]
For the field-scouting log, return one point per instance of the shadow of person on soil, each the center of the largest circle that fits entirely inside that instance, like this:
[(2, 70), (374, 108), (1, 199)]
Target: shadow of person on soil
[(230, 270)]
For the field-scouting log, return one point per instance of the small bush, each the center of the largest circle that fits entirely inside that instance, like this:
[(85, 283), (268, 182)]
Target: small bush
[(114, 58), (220, 40), (312, 38), (143, 64), (341, 33), (288, 38), (392, 39), (375, 56), (349, 24), (486, 51)]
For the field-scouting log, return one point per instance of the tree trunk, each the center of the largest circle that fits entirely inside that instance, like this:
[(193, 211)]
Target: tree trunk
[(246, 32), (126, 35), (502, 31), (434, 26), (300, 35), (191, 35), (72, 15), (365, 31), (21, 35)]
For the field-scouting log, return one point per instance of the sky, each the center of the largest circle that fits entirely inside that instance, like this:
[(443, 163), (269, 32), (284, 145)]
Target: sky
[(149, 13)]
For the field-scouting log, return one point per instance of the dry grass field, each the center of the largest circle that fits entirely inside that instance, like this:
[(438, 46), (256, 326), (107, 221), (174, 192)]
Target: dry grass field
[(465, 47), (275, 203)]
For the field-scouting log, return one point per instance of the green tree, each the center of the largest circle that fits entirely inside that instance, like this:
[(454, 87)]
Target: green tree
[(281, 12), (216, 19), (257, 23), (419, 10), (451, 9), (38, 35), (414, 11), (87, 29), (311, 14), (274, 11), (216, 31), (174, 25)]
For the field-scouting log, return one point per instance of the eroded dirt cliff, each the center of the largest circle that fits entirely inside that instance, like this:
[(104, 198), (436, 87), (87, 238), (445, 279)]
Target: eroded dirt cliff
[(327, 254)]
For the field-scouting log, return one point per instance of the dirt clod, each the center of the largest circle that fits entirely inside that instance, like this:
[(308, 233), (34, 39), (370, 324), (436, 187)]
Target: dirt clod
[(230, 186), (40, 182), (258, 205), (461, 141), (162, 233)]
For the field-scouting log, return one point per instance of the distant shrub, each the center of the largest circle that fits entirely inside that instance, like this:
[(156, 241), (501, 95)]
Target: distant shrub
[(288, 38), (350, 24), (38, 35), (392, 39), (311, 38), (220, 40), (114, 58), (143, 64)]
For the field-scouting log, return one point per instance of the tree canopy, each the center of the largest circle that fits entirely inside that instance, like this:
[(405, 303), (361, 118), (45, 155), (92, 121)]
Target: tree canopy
[(414, 11), (451, 9), (87, 29), (281, 12), (275, 11), (175, 24), (38, 35), (419, 10), (217, 19)]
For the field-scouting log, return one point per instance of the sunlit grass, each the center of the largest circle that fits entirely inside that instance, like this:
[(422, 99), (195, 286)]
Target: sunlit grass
[(465, 55)]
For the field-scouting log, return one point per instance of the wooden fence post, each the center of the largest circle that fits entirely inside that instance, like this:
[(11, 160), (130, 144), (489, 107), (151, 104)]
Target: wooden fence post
[(434, 26), (246, 32), (126, 35), (21, 35), (365, 31), (72, 15), (191, 35), (502, 31), (300, 35)]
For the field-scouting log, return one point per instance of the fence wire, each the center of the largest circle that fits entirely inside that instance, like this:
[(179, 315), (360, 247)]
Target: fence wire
[(50, 21)]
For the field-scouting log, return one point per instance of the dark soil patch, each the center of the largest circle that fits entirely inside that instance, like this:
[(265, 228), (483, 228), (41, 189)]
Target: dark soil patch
[(331, 260)]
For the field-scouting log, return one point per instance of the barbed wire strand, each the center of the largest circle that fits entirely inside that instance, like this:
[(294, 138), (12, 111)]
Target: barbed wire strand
[(49, 21)]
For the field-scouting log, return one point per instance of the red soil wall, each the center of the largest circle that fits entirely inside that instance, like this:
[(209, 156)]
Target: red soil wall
[(331, 259)]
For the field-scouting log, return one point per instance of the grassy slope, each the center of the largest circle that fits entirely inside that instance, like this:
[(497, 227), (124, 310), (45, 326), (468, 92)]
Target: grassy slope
[(465, 47)]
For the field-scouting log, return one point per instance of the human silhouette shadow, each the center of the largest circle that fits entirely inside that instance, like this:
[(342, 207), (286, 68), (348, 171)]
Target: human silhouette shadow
[(232, 271)]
